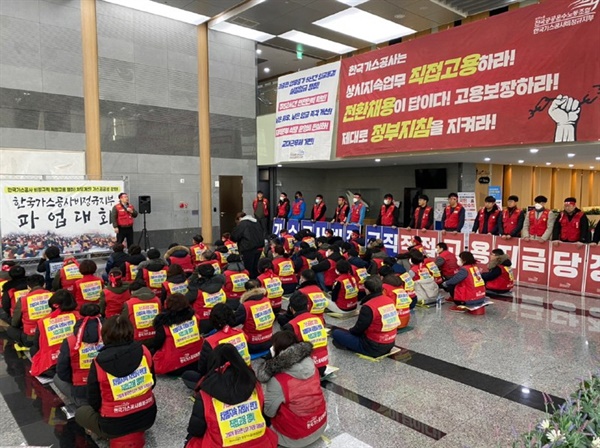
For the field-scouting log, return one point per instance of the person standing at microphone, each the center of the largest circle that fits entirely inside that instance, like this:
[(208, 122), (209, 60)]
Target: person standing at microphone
[(121, 218)]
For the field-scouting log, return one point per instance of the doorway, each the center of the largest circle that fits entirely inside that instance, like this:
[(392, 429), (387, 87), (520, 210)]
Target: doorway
[(230, 201)]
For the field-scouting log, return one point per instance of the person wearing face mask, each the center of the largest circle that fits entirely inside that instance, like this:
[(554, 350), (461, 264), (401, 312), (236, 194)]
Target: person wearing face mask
[(344, 293), (422, 218), (283, 206), (342, 211), (511, 219), (499, 278), (571, 226), (487, 218), (358, 210), (298, 207), (389, 213), (446, 261), (466, 287), (453, 218), (319, 209), (539, 222)]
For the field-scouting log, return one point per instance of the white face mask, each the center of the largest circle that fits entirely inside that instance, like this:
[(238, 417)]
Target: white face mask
[(460, 262), (538, 206), (281, 198), (355, 200), (317, 201), (386, 201)]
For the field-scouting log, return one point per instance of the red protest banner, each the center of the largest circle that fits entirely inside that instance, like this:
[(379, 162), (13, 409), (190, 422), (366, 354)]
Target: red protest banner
[(511, 248), (534, 262), (566, 267), (406, 238), (526, 76), (430, 238), (455, 242), (481, 246), (592, 280)]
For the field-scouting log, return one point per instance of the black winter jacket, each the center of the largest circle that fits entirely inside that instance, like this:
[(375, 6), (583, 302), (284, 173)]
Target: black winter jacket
[(248, 234), (90, 335), (165, 319)]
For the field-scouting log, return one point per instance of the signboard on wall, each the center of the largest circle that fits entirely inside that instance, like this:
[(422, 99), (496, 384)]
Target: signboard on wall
[(73, 215), (305, 116), (525, 76), (468, 201)]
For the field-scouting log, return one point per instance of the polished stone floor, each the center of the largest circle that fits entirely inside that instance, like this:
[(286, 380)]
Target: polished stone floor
[(458, 381)]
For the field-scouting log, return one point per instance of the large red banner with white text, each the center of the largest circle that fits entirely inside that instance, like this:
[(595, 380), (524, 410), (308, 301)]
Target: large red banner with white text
[(526, 76), (592, 283), (566, 266), (534, 262)]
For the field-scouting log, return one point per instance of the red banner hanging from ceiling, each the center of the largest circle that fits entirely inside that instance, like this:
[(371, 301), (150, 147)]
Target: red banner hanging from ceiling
[(526, 76)]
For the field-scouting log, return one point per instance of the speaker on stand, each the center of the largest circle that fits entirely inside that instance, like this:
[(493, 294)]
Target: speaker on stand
[(145, 208)]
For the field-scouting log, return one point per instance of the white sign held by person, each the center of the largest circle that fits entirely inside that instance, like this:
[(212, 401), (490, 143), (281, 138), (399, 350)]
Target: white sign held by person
[(306, 110), (73, 215), (467, 199)]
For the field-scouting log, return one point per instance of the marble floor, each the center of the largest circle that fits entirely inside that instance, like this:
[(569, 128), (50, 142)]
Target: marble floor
[(458, 381)]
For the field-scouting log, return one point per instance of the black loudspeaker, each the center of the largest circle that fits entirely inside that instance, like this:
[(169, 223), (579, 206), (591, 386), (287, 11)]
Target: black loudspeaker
[(145, 204)]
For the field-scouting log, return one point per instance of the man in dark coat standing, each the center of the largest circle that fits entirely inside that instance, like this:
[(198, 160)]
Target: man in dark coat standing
[(249, 237)]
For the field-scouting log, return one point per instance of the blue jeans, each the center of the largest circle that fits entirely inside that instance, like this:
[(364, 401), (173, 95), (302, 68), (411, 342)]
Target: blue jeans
[(321, 280), (348, 340)]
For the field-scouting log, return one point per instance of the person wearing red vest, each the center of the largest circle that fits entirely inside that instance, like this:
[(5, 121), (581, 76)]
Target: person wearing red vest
[(539, 222), (342, 211), (230, 245), (393, 287), (422, 217), (140, 310), (177, 341), (50, 332), (77, 353), (318, 300), (260, 206), (389, 214), (197, 248), (177, 254), (426, 288), (6, 279), (325, 269), (310, 328), (205, 291), (306, 258), (571, 226), (283, 206), (287, 241), (319, 209), (284, 268), (294, 399), (28, 310), (453, 218), (344, 293), (271, 282), (511, 219), (446, 261), (116, 293), (374, 332), (120, 383), (487, 218), (153, 271), (13, 290), (121, 217), (89, 287), (256, 317), (467, 287), (358, 210), (228, 406), (298, 207), (499, 278), (176, 282), (66, 276), (236, 276)]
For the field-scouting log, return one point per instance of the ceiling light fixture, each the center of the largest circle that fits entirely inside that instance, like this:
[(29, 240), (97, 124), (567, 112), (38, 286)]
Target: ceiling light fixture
[(353, 2), (591, 167), (317, 42), (548, 163), (266, 69), (571, 165), (597, 158), (363, 25), (377, 160), (279, 166), (533, 150), (521, 161), (258, 51), (160, 9), (241, 31), (571, 155), (487, 159)]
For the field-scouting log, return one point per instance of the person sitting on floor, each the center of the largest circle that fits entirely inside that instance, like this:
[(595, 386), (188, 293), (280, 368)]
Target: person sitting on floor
[(30, 308), (229, 384), (236, 277), (446, 261), (499, 279), (176, 282), (284, 268), (256, 317), (77, 353), (271, 282), (205, 292), (344, 294), (116, 293), (178, 254), (130, 267), (140, 310), (120, 384), (49, 264), (117, 259), (374, 332), (153, 271), (467, 286), (294, 399), (426, 288)]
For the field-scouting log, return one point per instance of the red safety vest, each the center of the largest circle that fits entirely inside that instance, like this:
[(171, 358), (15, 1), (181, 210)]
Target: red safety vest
[(409, 284), (53, 329), (115, 302), (273, 284), (231, 336), (235, 283), (434, 270), (348, 295), (317, 208), (124, 219), (310, 328), (82, 354), (451, 221), (317, 299), (69, 274), (296, 208), (505, 282), (510, 221), (303, 410), (176, 288), (16, 295), (570, 230), (130, 271), (384, 326), (240, 425), (493, 218), (214, 263), (288, 243), (387, 215), (182, 347), (282, 209), (307, 263), (355, 212), (284, 268), (471, 288), (424, 220), (88, 289), (330, 275), (127, 395), (34, 306), (258, 326), (265, 205), (206, 301), (141, 315), (197, 250), (450, 266), (341, 212), (186, 263), (537, 227), (421, 272), (231, 247), (154, 279), (402, 300)]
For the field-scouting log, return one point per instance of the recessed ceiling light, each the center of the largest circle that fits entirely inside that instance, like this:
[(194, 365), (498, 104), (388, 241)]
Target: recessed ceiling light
[(266, 69), (160, 9), (279, 166), (352, 2), (487, 159), (241, 31), (378, 160), (317, 42), (597, 158), (548, 163), (571, 155), (363, 25), (591, 167), (533, 150), (258, 51), (521, 161), (399, 16), (571, 165)]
